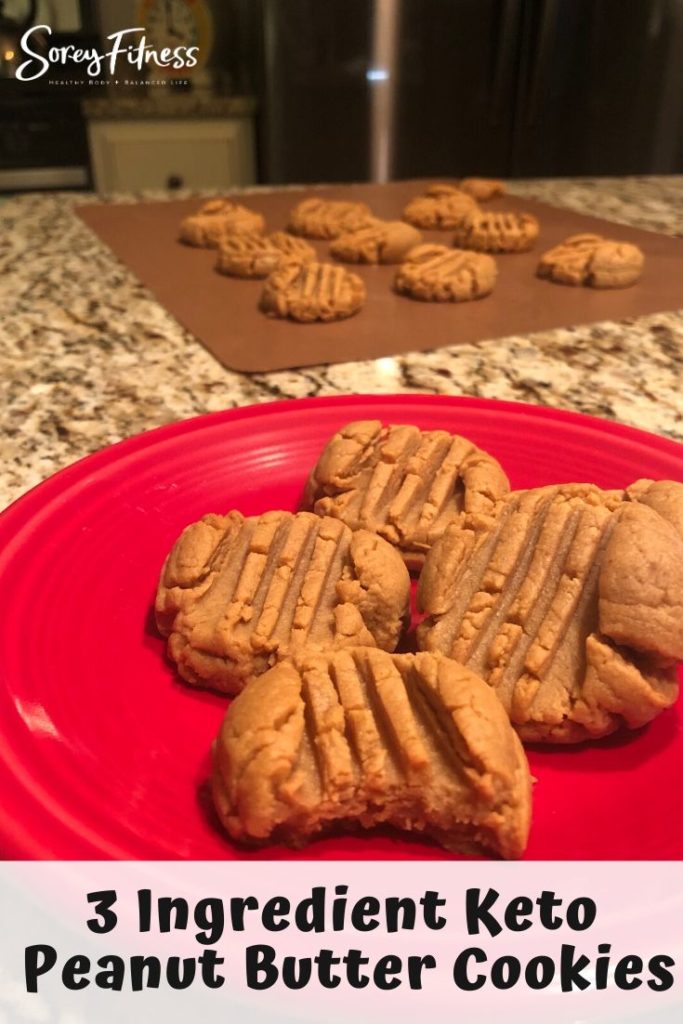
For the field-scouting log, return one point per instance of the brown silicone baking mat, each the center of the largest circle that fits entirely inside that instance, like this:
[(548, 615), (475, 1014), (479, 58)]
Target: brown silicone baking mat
[(223, 312)]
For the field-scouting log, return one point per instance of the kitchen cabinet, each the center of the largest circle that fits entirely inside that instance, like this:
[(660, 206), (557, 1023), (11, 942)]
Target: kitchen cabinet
[(506, 88), (136, 154)]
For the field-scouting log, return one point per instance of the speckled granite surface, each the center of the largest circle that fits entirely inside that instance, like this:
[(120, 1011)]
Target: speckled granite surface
[(88, 357)]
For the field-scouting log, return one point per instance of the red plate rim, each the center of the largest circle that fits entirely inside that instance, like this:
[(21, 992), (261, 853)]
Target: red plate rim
[(21, 509), (62, 484)]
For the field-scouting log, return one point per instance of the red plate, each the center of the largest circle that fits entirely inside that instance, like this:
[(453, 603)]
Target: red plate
[(105, 753)]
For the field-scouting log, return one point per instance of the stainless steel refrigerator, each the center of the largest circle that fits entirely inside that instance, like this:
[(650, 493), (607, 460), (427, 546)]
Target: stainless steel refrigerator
[(381, 89)]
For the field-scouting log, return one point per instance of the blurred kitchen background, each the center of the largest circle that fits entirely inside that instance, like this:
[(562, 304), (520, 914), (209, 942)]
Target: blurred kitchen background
[(347, 90)]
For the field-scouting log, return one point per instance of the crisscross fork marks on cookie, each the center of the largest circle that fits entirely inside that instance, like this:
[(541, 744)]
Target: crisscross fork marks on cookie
[(237, 594), (215, 219), (327, 218), (312, 291), (259, 255), (439, 274), (415, 741), (383, 242), (520, 598), (442, 207), (592, 261), (497, 231), (402, 483)]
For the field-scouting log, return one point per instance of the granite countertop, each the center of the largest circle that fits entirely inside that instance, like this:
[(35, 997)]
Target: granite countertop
[(88, 356), (166, 102)]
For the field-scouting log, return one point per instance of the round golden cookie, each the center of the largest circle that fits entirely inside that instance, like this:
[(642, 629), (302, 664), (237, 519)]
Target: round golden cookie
[(566, 599), (217, 217), (327, 218), (238, 594), (441, 210), (387, 241), (358, 736), (593, 261), (312, 291), (497, 232), (405, 484), (435, 273), (259, 255), (482, 189)]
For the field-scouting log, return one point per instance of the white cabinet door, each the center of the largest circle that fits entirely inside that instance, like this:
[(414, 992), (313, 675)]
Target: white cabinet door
[(133, 155)]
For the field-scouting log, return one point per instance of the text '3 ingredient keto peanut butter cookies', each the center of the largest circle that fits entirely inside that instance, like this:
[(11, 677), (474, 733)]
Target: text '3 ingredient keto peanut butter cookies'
[(363, 738), (259, 255), (386, 241), (568, 601), (328, 218), (435, 273), (593, 261), (236, 595), (216, 218), (405, 484), (312, 291)]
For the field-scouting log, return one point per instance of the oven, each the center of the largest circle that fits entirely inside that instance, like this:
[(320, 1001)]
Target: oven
[(43, 138)]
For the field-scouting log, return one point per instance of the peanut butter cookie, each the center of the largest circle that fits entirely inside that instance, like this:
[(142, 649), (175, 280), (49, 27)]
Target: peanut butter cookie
[(259, 255), (442, 188), (328, 218), (482, 189), (362, 738), (403, 483), (496, 232), (386, 241), (237, 595), (312, 291), (216, 218), (568, 601), (441, 207), (435, 273), (593, 261)]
